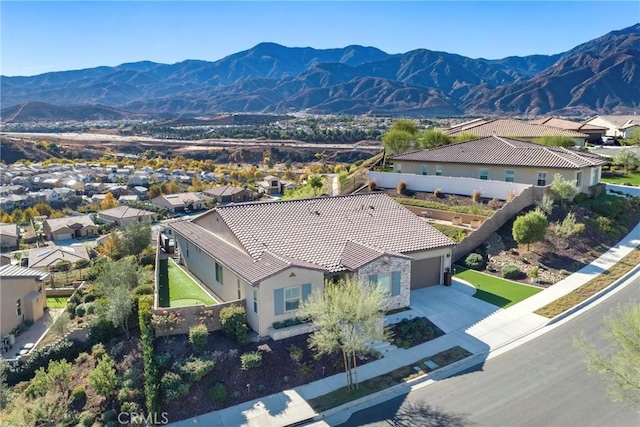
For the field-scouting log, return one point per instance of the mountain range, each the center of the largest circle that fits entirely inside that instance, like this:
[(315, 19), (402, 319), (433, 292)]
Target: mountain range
[(601, 76)]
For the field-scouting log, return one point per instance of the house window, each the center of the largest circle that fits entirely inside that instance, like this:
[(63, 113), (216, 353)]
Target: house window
[(484, 174), (384, 281), (438, 170), (595, 175), (509, 176), (187, 247), (579, 179), (542, 179), (291, 298), (390, 283), (255, 300), (238, 286), (399, 168), (424, 170), (274, 183), (19, 307), (219, 273)]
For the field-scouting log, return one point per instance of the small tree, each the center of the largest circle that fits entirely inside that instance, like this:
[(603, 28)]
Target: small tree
[(348, 316), (545, 205), (135, 237), (430, 138), (198, 335), (80, 264), (316, 183), (64, 266), (108, 202), (119, 308), (234, 323), (103, 378), (620, 366), (563, 188), (627, 159), (124, 272), (530, 228), (569, 226)]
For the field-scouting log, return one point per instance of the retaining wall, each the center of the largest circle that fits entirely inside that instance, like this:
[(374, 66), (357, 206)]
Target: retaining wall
[(193, 315)]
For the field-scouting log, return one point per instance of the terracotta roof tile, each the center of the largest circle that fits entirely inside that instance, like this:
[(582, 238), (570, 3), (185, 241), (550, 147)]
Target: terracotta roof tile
[(510, 128), (493, 150)]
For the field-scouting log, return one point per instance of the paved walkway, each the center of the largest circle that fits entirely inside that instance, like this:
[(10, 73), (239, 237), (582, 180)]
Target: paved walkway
[(468, 322)]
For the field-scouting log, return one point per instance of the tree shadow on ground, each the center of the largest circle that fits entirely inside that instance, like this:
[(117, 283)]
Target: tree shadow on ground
[(424, 415)]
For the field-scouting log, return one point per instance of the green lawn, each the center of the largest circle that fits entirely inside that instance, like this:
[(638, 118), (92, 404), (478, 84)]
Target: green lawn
[(57, 302), (630, 178), (183, 291), (496, 291)]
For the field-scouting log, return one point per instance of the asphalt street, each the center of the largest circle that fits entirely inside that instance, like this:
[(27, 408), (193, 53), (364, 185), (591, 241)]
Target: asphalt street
[(543, 382)]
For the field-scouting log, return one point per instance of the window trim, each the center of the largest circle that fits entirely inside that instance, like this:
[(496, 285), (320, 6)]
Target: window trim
[(255, 300), (19, 307), (385, 287), (484, 174), (543, 180), (579, 179), (509, 175), (438, 170), (425, 170), (298, 289)]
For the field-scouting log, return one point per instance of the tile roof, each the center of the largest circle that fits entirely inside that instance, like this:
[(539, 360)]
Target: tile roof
[(620, 120), (8, 270), (179, 199), (10, 230), (251, 269), (51, 255), (510, 128), (316, 230), (125, 212), (493, 150), (355, 255), (224, 190), (55, 224), (566, 124)]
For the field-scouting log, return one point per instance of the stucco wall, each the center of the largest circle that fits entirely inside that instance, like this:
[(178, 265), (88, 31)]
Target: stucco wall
[(12, 289), (388, 264)]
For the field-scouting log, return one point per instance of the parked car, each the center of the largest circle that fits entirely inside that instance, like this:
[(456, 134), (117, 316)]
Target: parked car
[(608, 140)]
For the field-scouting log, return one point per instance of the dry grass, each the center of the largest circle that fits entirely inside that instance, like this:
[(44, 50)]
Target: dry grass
[(592, 287)]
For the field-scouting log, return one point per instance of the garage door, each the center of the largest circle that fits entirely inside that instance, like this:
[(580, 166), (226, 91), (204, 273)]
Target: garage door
[(64, 236), (425, 272)]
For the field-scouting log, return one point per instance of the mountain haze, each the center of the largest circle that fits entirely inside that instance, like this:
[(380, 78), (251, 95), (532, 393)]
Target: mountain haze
[(598, 77)]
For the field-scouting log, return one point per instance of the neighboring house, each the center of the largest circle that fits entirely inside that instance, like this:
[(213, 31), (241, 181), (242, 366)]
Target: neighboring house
[(504, 159), (9, 236), (618, 126), (181, 202), (141, 192), (274, 254), (71, 227), (5, 259), (22, 296), (124, 215), (594, 132), (511, 128), (47, 257), (271, 185), (123, 200), (229, 194)]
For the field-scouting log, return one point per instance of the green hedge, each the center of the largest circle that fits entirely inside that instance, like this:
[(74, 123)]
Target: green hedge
[(147, 335)]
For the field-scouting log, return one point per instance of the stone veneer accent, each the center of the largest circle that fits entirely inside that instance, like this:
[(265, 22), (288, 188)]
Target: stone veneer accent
[(387, 264)]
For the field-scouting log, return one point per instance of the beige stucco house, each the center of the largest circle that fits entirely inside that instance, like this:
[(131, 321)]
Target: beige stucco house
[(274, 254), (47, 257), (125, 215), (181, 202), (9, 236), (71, 227), (618, 126), (504, 159), (512, 128), (22, 296)]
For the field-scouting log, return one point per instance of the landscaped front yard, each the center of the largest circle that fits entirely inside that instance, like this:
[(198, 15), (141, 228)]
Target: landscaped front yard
[(183, 290), (500, 292), (57, 302), (622, 179)]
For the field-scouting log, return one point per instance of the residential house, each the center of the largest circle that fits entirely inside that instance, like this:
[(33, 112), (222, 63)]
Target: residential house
[(618, 126), (11, 201), (141, 192), (22, 296), (9, 235), (116, 190), (270, 185), (511, 128), (229, 194), (124, 215), (138, 179), (180, 202), (594, 132), (47, 257), (504, 159), (71, 227), (123, 200), (5, 259), (274, 254)]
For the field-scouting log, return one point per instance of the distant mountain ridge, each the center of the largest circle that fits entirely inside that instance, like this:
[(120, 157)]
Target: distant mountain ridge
[(601, 76)]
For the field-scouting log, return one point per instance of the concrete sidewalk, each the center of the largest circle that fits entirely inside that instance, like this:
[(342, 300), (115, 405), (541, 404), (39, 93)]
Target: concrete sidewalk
[(468, 322)]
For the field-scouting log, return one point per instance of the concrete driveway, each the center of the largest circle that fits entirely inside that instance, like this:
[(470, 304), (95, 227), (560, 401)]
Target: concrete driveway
[(451, 308)]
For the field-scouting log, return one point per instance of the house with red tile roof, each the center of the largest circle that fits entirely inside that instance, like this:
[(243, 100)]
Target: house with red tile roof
[(512, 128), (618, 126), (274, 254), (504, 159), (594, 132)]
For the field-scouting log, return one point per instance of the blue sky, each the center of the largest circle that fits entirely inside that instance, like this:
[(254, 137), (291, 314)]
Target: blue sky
[(37, 37)]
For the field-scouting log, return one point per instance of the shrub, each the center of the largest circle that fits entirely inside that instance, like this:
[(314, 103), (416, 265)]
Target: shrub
[(234, 323), (144, 289), (71, 308), (296, 353), (251, 360), (173, 386), (82, 357), (580, 197), (109, 415), (510, 271), (476, 196), (86, 419), (198, 335), (438, 193), (218, 393), (98, 351), (371, 185), (80, 310), (194, 368), (103, 378), (78, 393), (494, 204), (402, 187), (474, 261), (130, 407), (289, 322), (147, 336), (568, 227), (533, 273)]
